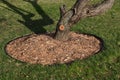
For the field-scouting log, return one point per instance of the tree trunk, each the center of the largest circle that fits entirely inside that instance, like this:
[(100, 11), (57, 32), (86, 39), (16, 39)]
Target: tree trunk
[(62, 35), (63, 26), (80, 9)]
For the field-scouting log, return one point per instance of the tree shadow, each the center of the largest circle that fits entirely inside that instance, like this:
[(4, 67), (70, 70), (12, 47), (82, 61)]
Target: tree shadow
[(34, 25)]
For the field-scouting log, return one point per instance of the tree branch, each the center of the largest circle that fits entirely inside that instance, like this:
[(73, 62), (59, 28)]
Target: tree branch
[(82, 9), (99, 8), (78, 9), (79, 5), (62, 10)]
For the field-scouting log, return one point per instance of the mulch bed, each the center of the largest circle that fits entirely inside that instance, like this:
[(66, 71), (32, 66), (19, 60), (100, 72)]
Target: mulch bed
[(43, 49)]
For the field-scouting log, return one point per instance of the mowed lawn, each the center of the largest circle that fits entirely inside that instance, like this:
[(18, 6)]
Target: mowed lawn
[(19, 18)]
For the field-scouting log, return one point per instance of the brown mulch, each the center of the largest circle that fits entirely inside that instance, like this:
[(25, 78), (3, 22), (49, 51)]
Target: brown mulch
[(43, 49)]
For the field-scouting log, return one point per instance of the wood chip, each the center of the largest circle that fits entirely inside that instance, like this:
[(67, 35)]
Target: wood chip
[(43, 49)]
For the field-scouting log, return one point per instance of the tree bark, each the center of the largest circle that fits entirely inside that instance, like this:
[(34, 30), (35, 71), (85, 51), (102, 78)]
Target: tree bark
[(63, 26), (81, 9)]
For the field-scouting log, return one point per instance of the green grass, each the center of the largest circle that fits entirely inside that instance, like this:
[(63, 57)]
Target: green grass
[(102, 66)]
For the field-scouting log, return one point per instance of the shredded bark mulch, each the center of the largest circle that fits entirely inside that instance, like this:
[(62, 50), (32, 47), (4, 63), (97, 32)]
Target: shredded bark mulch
[(43, 49)]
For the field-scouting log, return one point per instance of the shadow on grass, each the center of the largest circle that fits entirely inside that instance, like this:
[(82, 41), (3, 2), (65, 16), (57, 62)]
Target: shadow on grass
[(37, 26)]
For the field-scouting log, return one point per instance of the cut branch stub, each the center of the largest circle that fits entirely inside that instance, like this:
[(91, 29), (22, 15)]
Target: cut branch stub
[(61, 27)]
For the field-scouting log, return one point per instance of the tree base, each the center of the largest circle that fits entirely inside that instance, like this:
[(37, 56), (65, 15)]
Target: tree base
[(43, 49)]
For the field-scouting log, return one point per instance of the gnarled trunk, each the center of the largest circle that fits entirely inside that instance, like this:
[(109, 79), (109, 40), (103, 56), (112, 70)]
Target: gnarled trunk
[(63, 26), (80, 9)]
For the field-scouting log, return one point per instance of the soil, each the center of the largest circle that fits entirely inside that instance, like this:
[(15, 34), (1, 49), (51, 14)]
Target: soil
[(43, 49)]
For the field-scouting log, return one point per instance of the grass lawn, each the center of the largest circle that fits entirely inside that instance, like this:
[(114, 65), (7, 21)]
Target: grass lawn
[(19, 18)]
